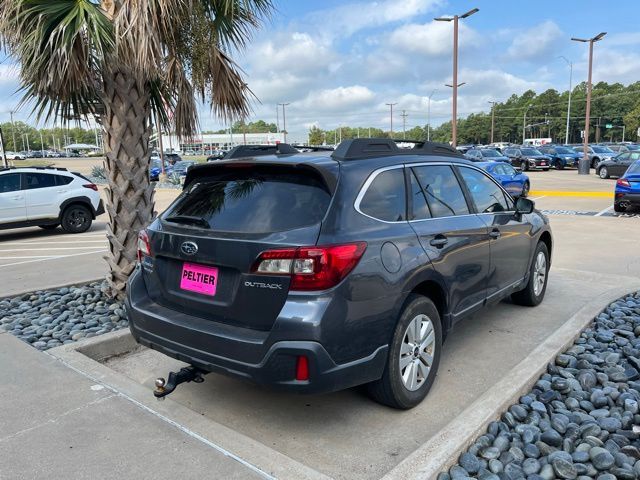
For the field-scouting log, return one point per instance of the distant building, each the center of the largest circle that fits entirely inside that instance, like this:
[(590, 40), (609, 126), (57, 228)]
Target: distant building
[(207, 142)]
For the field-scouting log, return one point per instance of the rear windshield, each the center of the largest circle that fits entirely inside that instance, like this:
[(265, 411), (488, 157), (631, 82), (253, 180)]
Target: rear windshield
[(634, 168), (531, 151), (490, 153), (255, 201)]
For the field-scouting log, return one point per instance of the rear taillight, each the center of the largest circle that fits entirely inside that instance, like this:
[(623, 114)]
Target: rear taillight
[(144, 247), (311, 268), (92, 186), (623, 182), (302, 368)]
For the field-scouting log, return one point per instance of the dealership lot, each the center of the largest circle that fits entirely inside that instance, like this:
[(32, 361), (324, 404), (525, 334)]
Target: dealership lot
[(346, 435)]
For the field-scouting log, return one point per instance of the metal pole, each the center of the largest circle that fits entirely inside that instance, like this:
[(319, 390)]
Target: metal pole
[(278, 118), (391, 118), (623, 129), (41, 142), (4, 155), (28, 146), (429, 120), (13, 131), (524, 124), (584, 164), (493, 104), (454, 113), (566, 135), (404, 124)]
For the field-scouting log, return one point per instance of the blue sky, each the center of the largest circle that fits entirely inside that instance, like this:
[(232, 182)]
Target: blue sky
[(339, 62)]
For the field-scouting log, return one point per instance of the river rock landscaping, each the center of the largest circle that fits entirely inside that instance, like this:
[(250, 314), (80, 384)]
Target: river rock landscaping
[(580, 419), (50, 318)]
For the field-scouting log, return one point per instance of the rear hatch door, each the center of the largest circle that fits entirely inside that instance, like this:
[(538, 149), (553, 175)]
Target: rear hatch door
[(204, 246)]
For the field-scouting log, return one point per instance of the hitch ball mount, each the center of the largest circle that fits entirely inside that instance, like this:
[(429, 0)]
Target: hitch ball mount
[(186, 374)]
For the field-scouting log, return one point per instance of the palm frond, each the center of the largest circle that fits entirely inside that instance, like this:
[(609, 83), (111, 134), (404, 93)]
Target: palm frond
[(61, 47)]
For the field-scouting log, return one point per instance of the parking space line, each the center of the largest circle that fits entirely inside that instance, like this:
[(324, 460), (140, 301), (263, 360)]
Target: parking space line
[(51, 258), (563, 193), (31, 256), (599, 214), (68, 237), (538, 198)]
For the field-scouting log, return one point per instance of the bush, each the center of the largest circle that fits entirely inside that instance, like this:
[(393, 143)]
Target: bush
[(97, 171)]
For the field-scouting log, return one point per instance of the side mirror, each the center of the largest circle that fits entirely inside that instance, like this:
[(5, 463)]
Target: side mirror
[(524, 205), (517, 169)]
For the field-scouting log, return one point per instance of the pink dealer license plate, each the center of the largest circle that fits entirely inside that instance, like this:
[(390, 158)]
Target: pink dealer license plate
[(199, 279)]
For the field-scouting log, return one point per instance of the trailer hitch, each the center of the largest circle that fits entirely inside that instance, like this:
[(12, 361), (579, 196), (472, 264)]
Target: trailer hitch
[(186, 374)]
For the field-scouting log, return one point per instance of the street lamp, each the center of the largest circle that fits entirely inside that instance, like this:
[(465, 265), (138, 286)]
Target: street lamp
[(524, 123), (455, 18), (284, 121), (584, 166), (566, 135), (429, 115)]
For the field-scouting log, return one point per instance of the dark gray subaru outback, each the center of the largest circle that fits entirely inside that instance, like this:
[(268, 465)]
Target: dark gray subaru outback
[(316, 272)]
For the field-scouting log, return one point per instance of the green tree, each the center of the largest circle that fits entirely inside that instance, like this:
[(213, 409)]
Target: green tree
[(126, 61), (316, 136)]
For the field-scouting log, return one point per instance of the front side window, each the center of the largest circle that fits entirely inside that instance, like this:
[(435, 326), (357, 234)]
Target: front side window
[(40, 180), (487, 196), (508, 169), (385, 197), (9, 182), (442, 190)]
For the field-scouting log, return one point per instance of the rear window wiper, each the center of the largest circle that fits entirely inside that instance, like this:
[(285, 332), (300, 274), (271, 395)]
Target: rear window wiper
[(200, 221)]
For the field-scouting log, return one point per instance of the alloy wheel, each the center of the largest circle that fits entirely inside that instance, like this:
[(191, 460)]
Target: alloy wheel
[(417, 352), (539, 273)]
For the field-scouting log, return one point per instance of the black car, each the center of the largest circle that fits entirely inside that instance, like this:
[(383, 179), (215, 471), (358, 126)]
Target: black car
[(315, 272), (616, 166), (528, 158), (172, 158)]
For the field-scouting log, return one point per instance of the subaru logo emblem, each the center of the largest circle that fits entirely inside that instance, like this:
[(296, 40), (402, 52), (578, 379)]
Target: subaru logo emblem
[(189, 248)]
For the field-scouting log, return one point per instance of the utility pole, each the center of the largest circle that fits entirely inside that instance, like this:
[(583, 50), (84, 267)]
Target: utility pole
[(404, 124), (2, 152), (284, 121), (391, 118), (566, 135), (454, 114), (42, 141), (524, 124), (13, 130), (429, 115), (493, 104), (584, 161), (278, 118)]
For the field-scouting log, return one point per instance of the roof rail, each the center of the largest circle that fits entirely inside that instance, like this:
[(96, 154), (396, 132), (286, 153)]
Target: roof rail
[(61, 169), (241, 151), (361, 148)]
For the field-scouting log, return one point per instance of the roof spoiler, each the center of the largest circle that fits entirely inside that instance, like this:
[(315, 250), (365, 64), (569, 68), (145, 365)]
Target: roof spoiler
[(360, 148)]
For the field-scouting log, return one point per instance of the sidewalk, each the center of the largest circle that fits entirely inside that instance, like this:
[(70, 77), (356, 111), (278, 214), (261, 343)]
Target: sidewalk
[(56, 423)]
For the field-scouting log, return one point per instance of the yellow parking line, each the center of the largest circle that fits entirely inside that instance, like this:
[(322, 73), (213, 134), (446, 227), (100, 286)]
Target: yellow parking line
[(561, 193)]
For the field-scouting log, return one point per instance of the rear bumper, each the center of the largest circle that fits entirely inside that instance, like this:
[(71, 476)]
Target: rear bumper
[(100, 209), (632, 199), (243, 353)]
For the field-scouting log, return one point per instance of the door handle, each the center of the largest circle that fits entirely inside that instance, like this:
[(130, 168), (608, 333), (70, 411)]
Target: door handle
[(495, 233), (439, 241), (19, 197)]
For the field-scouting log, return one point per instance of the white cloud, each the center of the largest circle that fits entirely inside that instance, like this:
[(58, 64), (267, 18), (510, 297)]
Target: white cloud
[(623, 39), (432, 38), (611, 66), (535, 43), (338, 99)]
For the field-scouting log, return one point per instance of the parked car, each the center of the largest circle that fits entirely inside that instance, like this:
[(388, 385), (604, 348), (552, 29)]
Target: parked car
[(47, 197), (155, 169), (627, 192), (513, 180), (180, 168), (616, 166), (527, 158), (597, 154), (485, 155), (561, 157), (14, 156), (312, 273), (216, 155), (172, 158), (624, 147)]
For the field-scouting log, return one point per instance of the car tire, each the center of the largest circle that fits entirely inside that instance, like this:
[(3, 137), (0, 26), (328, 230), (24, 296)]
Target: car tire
[(559, 165), (619, 208), (525, 189), (533, 293), (76, 219), (545, 169), (595, 162), (52, 226), (525, 166), (603, 173), (399, 387)]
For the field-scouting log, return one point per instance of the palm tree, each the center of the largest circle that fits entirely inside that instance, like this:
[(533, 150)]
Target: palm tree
[(124, 62)]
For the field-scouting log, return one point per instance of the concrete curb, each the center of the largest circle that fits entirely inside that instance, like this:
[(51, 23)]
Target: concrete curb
[(444, 448), (85, 356)]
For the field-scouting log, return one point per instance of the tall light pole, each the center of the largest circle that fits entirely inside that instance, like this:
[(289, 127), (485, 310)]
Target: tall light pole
[(524, 123), (429, 115), (455, 18), (13, 130), (454, 120), (493, 104), (566, 135), (404, 124), (391, 118), (584, 167), (284, 121)]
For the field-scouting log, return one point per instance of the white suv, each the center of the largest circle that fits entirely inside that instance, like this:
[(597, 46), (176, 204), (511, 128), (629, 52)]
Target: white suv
[(47, 197)]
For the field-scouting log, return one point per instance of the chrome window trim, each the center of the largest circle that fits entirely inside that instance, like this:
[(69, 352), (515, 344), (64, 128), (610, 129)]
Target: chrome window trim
[(365, 188)]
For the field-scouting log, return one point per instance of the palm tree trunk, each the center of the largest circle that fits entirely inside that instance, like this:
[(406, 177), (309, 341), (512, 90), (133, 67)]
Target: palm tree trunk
[(129, 192)]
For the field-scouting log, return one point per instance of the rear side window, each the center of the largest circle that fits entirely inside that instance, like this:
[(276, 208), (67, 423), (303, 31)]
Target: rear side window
[(9, 182), (420, 208), (385, 197), (63, 180), (442, 190), (255, 201), (487, 196), (40, 180)]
